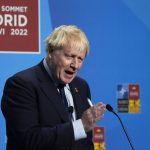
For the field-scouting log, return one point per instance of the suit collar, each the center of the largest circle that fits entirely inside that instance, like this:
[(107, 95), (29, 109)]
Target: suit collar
[(76, 98)]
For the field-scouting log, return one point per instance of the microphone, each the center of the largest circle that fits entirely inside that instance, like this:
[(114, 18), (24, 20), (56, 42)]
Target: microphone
[(109, 108), (70, 109)]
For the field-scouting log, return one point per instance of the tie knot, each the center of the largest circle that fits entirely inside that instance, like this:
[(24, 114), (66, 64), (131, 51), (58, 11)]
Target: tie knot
[(61, 86)]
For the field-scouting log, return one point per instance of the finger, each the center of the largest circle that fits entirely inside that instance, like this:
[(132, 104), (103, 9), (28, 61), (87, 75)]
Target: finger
[(99, 118), (99, 112), (89, 115), (93, 115), (101, 105)]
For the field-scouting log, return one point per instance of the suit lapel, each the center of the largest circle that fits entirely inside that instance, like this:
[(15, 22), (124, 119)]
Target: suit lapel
[(49, 89), (77, 100)]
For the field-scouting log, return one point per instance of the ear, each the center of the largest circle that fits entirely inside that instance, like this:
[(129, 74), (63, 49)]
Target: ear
[(50, 55)]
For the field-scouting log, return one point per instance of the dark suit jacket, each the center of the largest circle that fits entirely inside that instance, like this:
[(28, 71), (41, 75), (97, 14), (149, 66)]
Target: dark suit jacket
[(35, 116)]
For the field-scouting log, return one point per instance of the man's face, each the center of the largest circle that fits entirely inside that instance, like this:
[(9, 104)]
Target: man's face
[(66, 63)]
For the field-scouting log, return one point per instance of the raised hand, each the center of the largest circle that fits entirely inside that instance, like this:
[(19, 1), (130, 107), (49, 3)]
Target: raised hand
[(93, 115)]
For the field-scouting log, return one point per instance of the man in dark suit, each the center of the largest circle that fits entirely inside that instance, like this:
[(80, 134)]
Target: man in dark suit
[(47, 107)]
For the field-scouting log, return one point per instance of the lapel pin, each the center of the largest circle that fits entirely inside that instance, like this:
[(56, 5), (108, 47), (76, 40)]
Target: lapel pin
[(76, 90)]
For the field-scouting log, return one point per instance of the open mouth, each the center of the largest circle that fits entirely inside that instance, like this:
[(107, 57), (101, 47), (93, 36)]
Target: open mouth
[(69, 72)]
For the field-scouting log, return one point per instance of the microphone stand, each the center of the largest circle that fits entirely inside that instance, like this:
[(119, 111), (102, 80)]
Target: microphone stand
[(109, 108)]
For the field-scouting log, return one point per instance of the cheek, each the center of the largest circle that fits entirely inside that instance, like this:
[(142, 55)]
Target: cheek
[(56, 65), (65, 63), (61, 66), (80, 65)]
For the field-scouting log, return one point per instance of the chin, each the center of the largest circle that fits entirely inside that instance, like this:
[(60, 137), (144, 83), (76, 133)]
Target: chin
[(67, 81)]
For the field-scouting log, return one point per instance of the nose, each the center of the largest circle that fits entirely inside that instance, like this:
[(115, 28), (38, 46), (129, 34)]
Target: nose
[(75, 63)]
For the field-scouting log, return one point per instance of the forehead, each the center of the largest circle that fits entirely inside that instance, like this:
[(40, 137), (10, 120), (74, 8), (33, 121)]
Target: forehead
[(74, 51)]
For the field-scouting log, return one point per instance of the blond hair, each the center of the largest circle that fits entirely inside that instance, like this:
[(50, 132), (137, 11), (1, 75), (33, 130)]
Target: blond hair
[(64, 35)]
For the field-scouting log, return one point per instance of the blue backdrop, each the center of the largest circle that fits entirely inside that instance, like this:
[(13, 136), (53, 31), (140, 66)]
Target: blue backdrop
[(119, 35)]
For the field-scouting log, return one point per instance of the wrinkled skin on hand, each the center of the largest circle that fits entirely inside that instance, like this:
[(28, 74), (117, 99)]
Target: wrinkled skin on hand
[(93, 115)]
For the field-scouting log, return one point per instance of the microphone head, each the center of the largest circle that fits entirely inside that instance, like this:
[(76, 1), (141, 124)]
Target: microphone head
[(109, 108), (70, 109)]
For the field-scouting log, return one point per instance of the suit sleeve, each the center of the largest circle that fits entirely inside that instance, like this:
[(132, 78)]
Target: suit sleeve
[(20, 109)]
